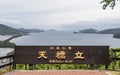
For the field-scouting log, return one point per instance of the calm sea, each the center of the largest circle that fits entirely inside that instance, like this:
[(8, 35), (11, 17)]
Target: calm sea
[(4, 51), (62, 38), (67, 38)]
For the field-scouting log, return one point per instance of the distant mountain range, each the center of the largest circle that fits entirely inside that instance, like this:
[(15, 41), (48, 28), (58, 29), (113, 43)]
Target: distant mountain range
[(31, 30), (111, 31), (115, 32), (87, 31), (6, 30), (106, 31)]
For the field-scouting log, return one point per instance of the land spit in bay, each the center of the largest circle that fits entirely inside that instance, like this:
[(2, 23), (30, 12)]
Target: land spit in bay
[(7, 44)]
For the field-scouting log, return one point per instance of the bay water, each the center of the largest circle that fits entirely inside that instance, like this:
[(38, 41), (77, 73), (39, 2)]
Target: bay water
[(67, 38), (62, 38)]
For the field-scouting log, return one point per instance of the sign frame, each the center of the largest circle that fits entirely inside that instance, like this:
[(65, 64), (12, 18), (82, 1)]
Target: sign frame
[(87, 55)]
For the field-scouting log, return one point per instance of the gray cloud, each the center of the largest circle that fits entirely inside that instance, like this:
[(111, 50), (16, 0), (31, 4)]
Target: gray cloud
[(99, 25), (49, 14)]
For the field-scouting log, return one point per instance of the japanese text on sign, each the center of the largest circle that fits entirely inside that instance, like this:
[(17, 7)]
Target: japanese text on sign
[(60, 54)]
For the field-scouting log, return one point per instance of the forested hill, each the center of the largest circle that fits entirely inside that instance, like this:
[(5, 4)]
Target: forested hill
[(31, 30), (110, 31), (88, 31), (106, 31), (5, 30), (115, 31)]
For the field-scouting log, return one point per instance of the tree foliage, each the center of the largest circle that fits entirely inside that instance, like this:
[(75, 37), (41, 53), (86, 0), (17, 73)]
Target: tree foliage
[(6, 44), (110, 3)]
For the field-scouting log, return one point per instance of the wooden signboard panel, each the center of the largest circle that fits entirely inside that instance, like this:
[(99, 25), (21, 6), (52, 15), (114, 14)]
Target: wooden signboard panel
[(61, 55)]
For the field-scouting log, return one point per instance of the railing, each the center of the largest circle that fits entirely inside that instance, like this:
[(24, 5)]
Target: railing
[(115, 57), (6, 61)]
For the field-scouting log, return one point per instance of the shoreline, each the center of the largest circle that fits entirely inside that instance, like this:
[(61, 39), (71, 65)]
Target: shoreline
[(7, 44), (5, 51)]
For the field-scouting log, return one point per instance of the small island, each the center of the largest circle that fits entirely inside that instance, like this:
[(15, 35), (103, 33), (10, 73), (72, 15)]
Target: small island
[(87, 31), (117, 35)]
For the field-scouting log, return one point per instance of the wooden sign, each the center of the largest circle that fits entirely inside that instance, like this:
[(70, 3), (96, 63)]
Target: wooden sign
[(61, 55)]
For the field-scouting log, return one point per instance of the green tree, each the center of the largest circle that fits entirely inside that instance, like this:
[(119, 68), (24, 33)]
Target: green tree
[(110, 3)]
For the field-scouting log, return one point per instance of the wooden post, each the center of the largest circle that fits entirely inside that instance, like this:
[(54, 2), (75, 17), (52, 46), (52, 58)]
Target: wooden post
[(14, 66), (25, 66), (106, 67), (30, 66), (114, 64), (92, 66), (113, 59), (34, 66), (10, 67)]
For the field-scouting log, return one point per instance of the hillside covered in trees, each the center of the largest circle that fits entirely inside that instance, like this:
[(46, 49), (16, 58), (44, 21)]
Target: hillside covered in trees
[(5, 30), (115, 32)]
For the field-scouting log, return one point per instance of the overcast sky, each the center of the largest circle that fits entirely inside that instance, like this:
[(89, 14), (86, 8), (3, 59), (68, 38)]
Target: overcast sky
[(58, 14)]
